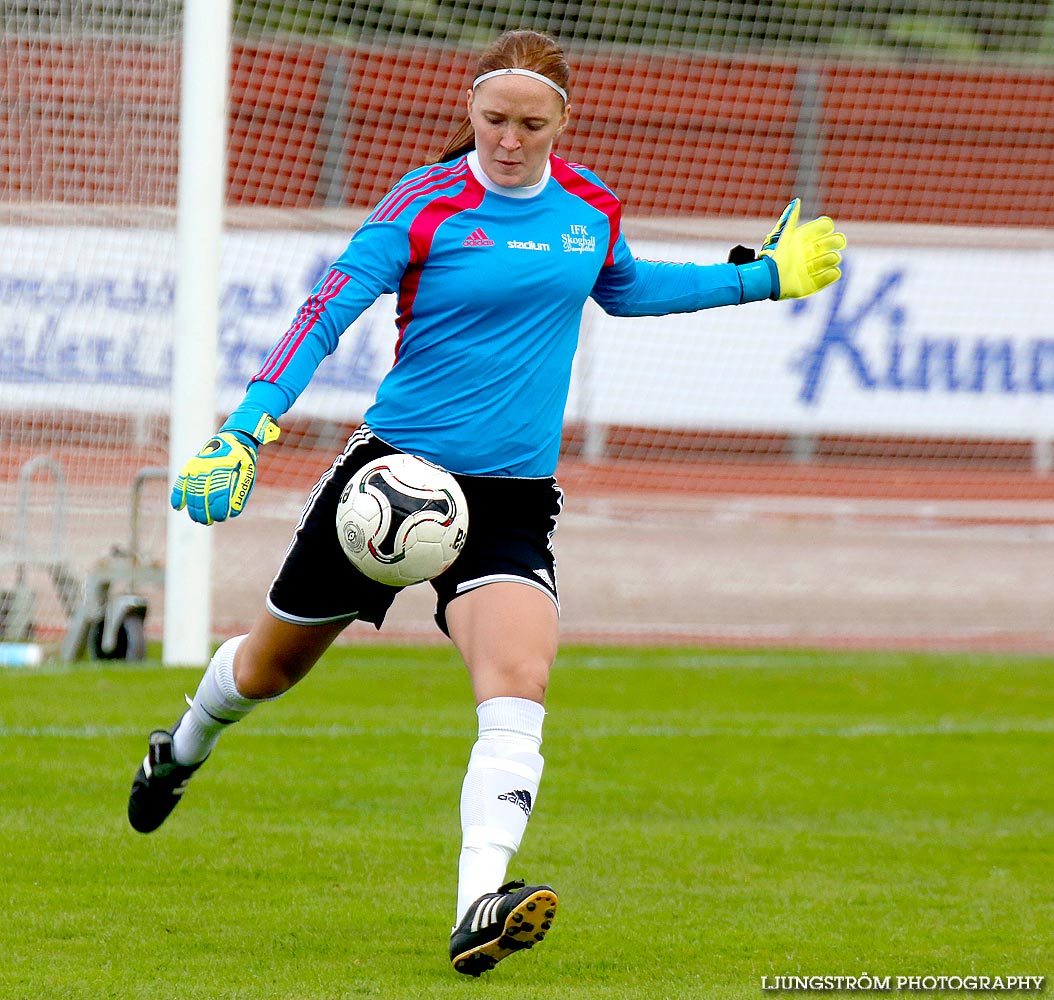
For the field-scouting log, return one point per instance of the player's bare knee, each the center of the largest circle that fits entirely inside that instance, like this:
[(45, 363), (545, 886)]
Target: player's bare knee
[(531, 687), (264, 677), (513, 678)]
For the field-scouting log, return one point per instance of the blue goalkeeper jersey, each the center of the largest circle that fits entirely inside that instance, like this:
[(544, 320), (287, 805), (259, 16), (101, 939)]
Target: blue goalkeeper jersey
[(491, 283)]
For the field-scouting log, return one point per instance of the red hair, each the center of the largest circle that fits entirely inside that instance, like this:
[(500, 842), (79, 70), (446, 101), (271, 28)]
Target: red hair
[(523, 49)]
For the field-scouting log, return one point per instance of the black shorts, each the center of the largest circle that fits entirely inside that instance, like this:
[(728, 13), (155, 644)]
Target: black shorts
[(511, 524)]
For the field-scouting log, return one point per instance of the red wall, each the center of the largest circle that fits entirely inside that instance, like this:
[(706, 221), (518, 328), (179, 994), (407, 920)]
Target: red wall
[(671, 135)]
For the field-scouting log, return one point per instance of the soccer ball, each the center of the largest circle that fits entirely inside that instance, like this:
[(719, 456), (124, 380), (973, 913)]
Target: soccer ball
[(402, 520)]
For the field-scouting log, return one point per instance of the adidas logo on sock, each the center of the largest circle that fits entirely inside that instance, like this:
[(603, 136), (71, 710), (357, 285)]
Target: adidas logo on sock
[(520, 797), (478, 238)]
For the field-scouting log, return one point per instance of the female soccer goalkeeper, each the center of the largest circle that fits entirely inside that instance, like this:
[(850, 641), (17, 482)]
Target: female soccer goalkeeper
[(489, 308)]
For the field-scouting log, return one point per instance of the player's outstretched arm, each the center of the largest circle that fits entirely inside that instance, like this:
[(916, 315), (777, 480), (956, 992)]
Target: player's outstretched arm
[(806, 257), (215, 484)]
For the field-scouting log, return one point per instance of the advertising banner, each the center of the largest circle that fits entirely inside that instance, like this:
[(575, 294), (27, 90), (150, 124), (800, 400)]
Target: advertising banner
[(917, 341)]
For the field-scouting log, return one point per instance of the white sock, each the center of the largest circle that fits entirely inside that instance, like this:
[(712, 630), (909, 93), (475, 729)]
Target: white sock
[(498, 794), (216, 705)]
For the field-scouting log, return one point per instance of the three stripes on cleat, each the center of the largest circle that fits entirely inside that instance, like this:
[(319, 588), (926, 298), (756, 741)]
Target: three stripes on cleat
[(501, 924)]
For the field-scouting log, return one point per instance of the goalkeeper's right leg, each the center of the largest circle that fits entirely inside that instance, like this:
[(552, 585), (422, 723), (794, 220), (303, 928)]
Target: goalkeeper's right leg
[(158, 785), (316, 594), (275, 656), (217, 704), (174, 755)]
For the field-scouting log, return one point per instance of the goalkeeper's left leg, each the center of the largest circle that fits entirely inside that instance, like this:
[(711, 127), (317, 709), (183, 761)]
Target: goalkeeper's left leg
[(498, 794), (507, 634)]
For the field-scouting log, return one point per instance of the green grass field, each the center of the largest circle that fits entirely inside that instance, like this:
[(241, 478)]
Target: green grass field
[(708, 817)]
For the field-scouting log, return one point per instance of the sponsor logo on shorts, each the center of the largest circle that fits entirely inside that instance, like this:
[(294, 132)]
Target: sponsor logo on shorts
[(546, 577)]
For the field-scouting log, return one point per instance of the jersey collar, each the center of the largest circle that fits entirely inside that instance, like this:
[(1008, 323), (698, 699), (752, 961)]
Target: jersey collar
[(528, 191)]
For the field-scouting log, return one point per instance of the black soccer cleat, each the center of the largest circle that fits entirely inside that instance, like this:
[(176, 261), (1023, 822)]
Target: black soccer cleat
[(158, 785), (497, 924)]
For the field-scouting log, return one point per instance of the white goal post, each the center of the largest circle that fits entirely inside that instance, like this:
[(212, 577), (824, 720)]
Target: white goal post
[(199, 232)]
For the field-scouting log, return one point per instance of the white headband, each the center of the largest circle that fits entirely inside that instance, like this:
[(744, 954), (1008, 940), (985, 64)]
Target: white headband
[(513, 71)]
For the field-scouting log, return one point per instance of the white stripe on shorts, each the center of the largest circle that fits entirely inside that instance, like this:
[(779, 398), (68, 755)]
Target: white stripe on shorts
[(481, 581), (285, 616)]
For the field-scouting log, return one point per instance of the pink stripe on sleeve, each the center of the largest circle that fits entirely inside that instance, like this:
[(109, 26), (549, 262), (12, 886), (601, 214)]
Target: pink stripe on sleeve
[(403, 194), (306, 318)]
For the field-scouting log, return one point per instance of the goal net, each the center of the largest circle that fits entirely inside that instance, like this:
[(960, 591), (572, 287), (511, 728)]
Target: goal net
[(870, 466)]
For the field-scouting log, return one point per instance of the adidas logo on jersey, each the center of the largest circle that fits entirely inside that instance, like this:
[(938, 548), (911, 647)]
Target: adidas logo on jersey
[(478, 238), (520, 797)]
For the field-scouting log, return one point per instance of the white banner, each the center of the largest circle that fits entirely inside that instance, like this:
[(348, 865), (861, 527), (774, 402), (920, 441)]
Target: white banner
[(86, 319), (919, 341)]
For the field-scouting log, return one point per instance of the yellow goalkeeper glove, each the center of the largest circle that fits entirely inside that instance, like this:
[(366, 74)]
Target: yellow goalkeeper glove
[(806, 257), (215, 484)]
